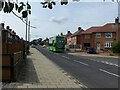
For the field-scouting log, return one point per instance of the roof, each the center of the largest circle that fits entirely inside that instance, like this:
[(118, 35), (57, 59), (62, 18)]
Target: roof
[(78, 32), (68, 34), (91, 30), (110, 27)]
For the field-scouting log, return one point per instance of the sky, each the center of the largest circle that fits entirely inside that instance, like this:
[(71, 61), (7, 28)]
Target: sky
[(64, 18)]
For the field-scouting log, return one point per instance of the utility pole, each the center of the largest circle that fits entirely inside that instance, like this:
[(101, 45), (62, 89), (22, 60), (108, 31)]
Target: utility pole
[(26, 28), (29, 32), (26, 35)]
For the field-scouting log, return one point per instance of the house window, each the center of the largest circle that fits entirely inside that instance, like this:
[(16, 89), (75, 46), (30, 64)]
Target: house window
[(108, 44), (108, 35), (9, 35), (98, 35), (73, 38)]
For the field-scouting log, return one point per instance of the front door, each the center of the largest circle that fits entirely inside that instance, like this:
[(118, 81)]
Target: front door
[(98, 45)]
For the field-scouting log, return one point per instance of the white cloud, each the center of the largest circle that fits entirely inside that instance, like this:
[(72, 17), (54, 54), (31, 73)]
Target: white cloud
[(58, 20)]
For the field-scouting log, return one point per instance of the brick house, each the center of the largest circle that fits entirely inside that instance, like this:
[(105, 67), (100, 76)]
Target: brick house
[(76, 37), (105, 37), (87, 39), (101, 38), (68, 38)]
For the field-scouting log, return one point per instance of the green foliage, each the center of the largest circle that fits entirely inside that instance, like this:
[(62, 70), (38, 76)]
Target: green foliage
[(11, 6), (8, 7), (24, 14), (5, 8), (20, 8), (28, 6), (49, 3), (116, 47), (16, 6), (2, 4), (64, 2), (29, 11)]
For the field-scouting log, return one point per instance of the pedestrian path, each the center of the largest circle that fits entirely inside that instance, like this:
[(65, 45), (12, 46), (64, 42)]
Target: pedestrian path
[(40, 72)]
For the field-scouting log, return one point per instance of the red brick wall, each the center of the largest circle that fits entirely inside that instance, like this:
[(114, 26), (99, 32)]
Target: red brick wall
[(86, 38), (73, 40), (118, 32), (102, 40)]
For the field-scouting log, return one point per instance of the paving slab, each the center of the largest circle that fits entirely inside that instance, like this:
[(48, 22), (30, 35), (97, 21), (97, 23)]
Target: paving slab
[(40, 72)]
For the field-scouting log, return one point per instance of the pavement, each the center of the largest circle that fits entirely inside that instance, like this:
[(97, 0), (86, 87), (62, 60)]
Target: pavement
[(102, 54), (39, 72)]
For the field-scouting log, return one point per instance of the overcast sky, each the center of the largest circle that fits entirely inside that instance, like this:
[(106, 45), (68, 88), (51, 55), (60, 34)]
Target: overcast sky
[(63, 18)]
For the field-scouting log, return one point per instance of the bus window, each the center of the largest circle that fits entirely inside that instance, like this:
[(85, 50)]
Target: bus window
[(60, 39), (50, 44)]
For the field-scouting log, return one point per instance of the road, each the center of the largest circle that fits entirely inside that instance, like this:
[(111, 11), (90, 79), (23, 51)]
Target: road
[(91, 72)]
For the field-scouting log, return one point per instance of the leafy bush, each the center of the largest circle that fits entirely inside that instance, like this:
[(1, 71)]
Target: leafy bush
[(116, 47)]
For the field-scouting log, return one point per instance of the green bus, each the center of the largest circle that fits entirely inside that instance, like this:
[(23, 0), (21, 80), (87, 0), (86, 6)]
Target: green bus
[(57, 44)]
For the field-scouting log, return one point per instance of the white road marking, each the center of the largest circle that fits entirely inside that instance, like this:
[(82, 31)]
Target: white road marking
[(105, 62), (80, 62), (109, 73), (109, 63), (116, 65), (66, 57)]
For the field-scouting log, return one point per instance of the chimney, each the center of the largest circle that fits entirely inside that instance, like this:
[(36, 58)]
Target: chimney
[(79, 28), (117, 20), (2, 25), (61, 34), (7, 27), (68, 32)]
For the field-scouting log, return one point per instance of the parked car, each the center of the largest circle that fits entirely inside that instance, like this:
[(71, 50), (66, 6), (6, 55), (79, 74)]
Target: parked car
[(91, 51)]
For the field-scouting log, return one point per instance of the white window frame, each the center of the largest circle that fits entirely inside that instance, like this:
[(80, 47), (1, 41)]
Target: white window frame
[(108, 44), (75, 38), (108, 33), (98, 35)]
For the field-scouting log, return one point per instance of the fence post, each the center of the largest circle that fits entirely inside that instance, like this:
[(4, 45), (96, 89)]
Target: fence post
[(12, 76)]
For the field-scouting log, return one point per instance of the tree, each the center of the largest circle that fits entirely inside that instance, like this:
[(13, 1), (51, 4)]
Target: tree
[(9, 6), (116, 47)]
